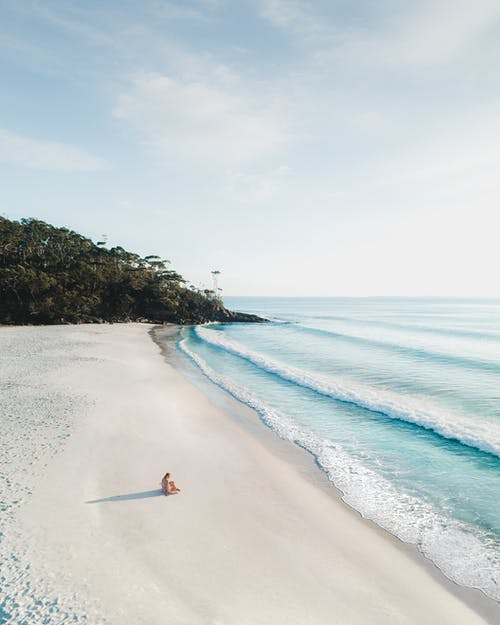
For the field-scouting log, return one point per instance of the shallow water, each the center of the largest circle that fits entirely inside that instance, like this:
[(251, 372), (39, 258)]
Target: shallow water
[(398, 400)]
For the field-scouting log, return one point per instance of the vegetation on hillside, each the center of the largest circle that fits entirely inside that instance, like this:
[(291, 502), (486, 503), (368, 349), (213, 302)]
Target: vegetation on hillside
[(53, 275)]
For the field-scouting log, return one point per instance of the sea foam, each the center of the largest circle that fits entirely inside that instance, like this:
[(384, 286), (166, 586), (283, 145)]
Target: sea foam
[(465, 554), (483, 435)]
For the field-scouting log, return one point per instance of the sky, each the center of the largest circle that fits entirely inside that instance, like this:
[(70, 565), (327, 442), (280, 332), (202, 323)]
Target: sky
[(302, 148)]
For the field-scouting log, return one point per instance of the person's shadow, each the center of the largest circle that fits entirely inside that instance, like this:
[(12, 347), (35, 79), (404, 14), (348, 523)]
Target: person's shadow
[(145, 494)]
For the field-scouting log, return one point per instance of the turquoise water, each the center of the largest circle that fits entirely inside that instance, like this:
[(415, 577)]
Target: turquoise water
[(397, 399)]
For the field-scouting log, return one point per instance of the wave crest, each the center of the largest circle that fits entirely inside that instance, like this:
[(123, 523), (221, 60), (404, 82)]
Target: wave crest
[(464, 555), (482, 436)]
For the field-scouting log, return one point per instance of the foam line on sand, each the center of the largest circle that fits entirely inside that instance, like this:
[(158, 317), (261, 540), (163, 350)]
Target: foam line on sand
[(249, 541)]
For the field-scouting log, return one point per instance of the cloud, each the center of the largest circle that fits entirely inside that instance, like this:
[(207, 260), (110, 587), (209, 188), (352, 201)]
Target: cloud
[(422, 35), (395, 35), (94, 26), (172, 11), (199, 120), (46, 156), (291, 15)]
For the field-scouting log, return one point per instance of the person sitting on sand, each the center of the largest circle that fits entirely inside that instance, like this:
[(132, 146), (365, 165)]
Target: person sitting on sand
[(169, 487)]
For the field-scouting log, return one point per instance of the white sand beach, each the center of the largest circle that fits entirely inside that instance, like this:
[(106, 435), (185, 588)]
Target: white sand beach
[(251, 540)]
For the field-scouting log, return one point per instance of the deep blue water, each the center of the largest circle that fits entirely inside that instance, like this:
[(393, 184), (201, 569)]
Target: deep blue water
[(398, 400)]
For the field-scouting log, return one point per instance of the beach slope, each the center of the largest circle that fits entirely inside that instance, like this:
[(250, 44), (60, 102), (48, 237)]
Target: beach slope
[(249, 541)]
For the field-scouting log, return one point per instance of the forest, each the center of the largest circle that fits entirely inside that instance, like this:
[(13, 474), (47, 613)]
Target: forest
[(51, 275)]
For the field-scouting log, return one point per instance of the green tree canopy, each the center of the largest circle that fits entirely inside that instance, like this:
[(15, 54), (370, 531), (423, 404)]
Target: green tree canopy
[(54, 275)]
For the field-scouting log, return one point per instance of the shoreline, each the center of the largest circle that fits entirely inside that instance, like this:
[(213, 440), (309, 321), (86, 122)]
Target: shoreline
[(303, 460), (257, 536)]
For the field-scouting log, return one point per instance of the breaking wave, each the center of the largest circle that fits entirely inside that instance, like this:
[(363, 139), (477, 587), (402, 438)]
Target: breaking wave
[(484, 435)]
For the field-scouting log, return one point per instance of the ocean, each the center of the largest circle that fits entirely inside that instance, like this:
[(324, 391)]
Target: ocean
[(397, 399)]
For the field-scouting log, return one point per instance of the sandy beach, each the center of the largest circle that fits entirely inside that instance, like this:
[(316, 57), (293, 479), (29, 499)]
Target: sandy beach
[(257, 536)]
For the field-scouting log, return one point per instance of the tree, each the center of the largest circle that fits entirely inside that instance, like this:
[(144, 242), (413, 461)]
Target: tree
[(54, 275)]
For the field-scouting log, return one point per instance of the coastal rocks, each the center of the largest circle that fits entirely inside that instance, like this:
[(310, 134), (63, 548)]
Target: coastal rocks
[(229, 316), (212, 310)]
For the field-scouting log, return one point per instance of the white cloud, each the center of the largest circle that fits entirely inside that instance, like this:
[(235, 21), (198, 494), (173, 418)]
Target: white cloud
[(181, 10), (398, 35), (422, 35), (291, 15), (75, 20), (200, 121), (172, 11), (438, 32), (47, 156)]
